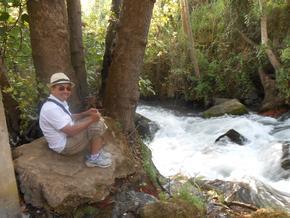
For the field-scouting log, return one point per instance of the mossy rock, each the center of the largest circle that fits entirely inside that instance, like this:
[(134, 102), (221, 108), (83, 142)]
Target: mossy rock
[(269, 213), (233, 107), (171, 209)]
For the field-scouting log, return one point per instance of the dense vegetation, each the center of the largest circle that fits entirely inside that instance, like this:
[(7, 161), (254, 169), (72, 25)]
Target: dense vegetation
[(228, 43), (227, 36)]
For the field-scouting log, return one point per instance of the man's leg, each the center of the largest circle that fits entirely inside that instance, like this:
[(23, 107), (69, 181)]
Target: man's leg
[(96, 145), (96, 158)]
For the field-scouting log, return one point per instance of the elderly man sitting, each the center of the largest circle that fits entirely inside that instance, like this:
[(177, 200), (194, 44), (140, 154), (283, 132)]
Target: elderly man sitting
[(68, 133)]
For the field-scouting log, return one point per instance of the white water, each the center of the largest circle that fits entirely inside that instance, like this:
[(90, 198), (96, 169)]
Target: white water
[(185, 144)]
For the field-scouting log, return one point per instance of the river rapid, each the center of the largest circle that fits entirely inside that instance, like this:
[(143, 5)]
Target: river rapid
[(185, 143)]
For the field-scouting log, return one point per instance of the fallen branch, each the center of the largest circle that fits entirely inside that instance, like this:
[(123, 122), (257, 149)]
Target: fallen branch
[(241, 204)]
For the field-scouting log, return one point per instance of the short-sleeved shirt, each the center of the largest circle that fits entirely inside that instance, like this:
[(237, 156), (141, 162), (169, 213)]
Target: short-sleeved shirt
[(52, 119)]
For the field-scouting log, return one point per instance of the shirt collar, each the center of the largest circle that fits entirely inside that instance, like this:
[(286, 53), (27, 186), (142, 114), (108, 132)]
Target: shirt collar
[(55, 98)]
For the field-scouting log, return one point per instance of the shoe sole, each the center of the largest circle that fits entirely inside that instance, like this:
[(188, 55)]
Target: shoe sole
[(95, 165)]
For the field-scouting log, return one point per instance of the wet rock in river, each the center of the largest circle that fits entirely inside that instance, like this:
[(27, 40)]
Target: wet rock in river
[(234, 136), (233, 107), (145, 127), (285, 160)]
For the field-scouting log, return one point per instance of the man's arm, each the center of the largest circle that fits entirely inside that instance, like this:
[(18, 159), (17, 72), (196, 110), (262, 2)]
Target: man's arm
[(72, 130)]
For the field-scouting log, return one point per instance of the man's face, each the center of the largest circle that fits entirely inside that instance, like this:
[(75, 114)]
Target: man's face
[(61, 91)]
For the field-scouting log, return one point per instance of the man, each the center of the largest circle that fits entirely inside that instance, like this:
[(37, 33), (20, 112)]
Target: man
[(68, 133)]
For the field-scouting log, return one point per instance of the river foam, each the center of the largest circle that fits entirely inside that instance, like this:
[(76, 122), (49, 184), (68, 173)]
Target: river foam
[(186, 144)]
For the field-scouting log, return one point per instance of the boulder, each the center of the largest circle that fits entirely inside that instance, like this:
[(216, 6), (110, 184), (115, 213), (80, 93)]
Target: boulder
[(233, 107), (130, 202), (61, 183), (258, 195), (171, 209), (233, 136), (284, 116), (217, 101), (146, 128), (285, 160)]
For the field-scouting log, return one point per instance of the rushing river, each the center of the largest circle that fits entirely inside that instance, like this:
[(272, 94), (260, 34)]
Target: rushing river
[(185, 143)]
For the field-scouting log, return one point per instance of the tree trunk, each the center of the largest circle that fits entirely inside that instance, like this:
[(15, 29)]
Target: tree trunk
[(9, 201), (271, 99), (185, 16), (12, 111), (122, 94), (264, 39), (76, 44), (109, 42), (49, 37)]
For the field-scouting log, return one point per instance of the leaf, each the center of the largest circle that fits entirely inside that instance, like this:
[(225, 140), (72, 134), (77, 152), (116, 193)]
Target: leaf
[(4, 16)]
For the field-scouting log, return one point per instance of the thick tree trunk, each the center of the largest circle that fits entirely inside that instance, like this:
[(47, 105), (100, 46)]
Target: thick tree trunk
[(122, 94), (9, 201), (185, 16), (49, 37), (271, 98), (11, 106), (109, 42), (264, 38), (271, 95), (76, 44)]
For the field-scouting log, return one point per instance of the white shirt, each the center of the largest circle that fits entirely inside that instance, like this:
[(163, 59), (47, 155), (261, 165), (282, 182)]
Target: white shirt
[(52, 118)]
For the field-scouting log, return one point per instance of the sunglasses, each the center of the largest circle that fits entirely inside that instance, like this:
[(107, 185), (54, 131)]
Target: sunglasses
[(62, 88)]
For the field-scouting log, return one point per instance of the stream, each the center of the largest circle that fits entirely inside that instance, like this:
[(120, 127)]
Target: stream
[(185, 144)]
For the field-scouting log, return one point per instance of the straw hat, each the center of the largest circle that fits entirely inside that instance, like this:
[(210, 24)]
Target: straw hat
[(59, 78)]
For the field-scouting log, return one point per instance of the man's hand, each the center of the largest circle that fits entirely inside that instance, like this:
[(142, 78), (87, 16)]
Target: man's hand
[(95, 115), (72, 130)]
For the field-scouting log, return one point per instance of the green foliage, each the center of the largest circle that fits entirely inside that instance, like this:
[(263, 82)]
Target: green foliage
[(94, 33), (85, 211), (227, 41), (16, 51), (23, 90), (283, 82), (145, 87), (147, 162), (185, 193)]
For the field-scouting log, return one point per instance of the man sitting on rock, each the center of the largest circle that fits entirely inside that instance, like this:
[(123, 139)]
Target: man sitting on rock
[(68, 133)]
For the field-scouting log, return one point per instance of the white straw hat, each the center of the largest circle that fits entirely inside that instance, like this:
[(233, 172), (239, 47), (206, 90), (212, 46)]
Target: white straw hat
[(59, 78)]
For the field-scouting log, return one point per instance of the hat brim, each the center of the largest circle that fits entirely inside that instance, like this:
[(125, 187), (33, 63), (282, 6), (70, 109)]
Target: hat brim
[(61, 82)]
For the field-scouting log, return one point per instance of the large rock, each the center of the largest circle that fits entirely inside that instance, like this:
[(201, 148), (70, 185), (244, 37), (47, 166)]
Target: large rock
[(233, 136), (233, 107), (172, 209), (48, 179), (285, 160), (146, 128), (257, 194), (130, 202)]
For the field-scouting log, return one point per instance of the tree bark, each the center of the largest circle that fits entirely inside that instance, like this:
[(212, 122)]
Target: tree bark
[(185, 16), (264, 39), (271, 95), (9, 201), (12, 111), (76, 44), (271, 99), (109, 42), (49, 37), (122, 94)]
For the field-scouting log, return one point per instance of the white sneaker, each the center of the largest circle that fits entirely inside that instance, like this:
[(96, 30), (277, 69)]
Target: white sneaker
[(102, 152), (105, 153), (101, 161)]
